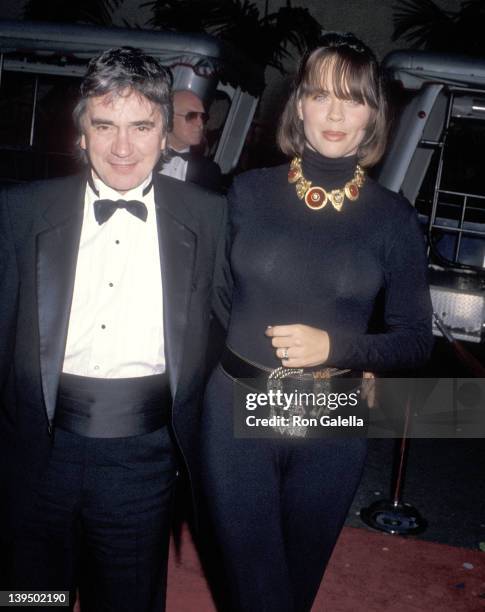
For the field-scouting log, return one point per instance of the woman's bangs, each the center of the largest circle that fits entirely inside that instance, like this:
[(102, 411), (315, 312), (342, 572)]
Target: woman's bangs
[(350, 80)]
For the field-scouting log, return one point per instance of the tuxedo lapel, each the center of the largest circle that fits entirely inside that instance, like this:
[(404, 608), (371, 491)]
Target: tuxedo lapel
[(191, 174), (57, 250), (178, 243), (56, 254)]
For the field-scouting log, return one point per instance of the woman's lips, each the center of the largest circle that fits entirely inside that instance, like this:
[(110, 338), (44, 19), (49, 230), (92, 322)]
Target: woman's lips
[(334, 136)]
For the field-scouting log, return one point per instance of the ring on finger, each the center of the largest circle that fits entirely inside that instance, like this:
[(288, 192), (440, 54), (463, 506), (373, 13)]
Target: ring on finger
[(285, 353)]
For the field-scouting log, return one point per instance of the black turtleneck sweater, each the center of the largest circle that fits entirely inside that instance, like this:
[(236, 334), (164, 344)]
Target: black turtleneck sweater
[(359, 274)]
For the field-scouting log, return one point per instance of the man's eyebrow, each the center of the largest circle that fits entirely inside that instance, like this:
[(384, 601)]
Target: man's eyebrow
[(101, 121)]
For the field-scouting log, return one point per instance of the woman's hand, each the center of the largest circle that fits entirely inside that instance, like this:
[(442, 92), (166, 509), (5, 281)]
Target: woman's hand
[(299, 346)]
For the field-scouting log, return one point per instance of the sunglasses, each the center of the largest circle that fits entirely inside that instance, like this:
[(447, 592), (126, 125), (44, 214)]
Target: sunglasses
[(192, 116)]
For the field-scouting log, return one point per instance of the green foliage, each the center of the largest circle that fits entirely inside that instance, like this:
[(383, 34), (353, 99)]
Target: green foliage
[(423, 24), (265, 39)]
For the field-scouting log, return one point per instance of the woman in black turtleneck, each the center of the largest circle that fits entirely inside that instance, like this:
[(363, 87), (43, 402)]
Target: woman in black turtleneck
[(314, 247)]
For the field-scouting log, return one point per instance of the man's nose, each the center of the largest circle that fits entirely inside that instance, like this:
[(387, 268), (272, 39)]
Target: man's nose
[(198, 121), (121, 145)]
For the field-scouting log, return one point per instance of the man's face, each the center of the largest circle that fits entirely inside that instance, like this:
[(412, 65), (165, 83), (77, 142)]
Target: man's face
[(123, 135), (186, 133)]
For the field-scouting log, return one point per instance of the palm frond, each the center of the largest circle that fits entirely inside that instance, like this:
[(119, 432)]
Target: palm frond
[(263, 37), (180, 15), (419, 21), (297, 27), (423, 24)]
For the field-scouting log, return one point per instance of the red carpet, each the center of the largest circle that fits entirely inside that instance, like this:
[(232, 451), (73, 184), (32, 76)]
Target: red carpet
[(368, 572)]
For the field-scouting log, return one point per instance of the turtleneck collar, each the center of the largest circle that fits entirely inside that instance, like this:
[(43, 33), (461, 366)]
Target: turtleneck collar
[(327, 172)]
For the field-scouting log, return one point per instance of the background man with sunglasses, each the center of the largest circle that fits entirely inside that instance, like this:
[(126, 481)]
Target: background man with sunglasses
[(189, 119)]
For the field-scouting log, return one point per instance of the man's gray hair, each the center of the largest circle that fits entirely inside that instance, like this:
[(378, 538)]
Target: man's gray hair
[(126, 69)]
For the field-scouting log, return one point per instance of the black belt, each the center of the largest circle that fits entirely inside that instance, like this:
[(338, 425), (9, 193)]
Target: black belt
[(112, 407), (256, 375)]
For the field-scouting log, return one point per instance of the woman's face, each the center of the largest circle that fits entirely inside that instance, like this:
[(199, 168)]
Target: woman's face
[(333, 126)]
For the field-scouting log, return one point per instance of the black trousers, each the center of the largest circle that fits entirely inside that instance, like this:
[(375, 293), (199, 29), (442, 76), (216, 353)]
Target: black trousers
[(100, 522), (276, 507)]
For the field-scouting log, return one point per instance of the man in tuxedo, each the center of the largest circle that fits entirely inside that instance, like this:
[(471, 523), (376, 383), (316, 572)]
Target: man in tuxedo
[(185, 163), (106, 281)]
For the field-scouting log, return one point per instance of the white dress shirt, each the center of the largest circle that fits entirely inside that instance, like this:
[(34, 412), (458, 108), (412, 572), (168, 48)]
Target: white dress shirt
[(116, 321), (176, 167)]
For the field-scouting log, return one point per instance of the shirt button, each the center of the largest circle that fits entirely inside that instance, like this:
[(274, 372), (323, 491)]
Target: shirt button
[(103, 326), (111, 284), (96, 367), (117, 241)]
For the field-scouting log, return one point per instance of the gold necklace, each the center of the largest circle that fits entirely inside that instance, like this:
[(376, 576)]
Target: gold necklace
[(317, 197)]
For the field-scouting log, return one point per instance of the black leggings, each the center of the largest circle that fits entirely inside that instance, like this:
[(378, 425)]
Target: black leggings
[(276, 507)]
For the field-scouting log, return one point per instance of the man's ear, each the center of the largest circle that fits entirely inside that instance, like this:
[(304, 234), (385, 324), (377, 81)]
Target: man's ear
[(82, 142), (163, 143)]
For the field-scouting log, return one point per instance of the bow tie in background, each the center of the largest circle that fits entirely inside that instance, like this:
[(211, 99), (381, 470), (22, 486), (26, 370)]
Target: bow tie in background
[(184, 155), (104, 209)]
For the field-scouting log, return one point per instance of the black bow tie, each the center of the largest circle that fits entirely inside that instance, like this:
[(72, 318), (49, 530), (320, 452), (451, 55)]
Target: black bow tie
[(184, 155), (104, 209)]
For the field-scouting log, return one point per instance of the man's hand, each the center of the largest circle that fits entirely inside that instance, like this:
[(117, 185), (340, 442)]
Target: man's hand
[(299, 346)]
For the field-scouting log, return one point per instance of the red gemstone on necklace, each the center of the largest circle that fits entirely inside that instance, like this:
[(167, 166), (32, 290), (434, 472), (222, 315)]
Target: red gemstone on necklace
[(316, 198), (354, 191)]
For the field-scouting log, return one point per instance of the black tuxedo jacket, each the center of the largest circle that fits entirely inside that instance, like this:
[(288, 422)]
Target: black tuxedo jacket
[(203, 172), (40, 225)]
